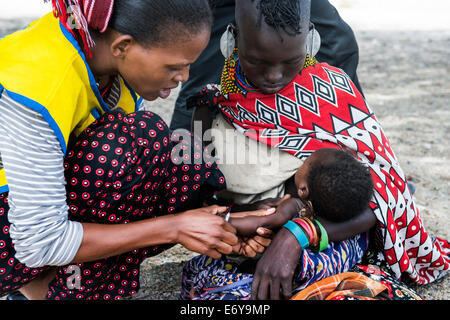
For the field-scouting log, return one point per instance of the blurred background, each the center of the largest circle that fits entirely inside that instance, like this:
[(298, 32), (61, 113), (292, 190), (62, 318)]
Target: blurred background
[(361, 14)]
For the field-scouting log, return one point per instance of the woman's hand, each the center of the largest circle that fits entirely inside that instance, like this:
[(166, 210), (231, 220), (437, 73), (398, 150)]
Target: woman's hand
[(202, 231), (275, 269)]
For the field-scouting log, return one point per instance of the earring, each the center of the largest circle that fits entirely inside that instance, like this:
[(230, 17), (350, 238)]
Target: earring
[(313, 41), (227, 42), (307, 210)]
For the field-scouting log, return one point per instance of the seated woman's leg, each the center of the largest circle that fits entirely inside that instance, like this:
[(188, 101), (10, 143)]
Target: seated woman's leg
[(337, 258), (120, 170), (222, 280), (204, 278), (13, 273)]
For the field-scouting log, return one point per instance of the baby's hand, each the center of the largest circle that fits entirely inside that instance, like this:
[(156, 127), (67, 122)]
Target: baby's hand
[(285, 212)]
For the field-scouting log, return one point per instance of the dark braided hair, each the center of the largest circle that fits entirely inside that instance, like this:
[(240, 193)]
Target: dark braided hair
[(341, 189), (157, 22), (286, 15)]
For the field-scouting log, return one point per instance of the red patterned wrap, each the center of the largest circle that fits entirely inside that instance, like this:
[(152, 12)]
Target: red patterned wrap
[(322, 108)]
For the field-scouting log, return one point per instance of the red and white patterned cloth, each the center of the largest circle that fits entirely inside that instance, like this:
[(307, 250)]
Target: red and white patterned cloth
[(322, 108), (80, 15)]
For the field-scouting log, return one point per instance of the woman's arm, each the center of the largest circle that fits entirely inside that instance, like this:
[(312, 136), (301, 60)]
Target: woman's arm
[(38, 213), (350, 228), (33, 162), (262, 204), (275, 269), (199, 230)]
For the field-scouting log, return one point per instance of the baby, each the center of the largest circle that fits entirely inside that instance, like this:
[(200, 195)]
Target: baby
[(331, 184)]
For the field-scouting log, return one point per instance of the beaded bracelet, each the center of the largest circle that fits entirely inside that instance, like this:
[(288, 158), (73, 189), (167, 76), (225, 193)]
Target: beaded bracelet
[(323, 236), (306, 228), (314, 238), (298, 233)]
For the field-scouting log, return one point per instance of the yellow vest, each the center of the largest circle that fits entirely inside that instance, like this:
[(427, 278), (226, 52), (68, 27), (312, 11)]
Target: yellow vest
[(44, 68)]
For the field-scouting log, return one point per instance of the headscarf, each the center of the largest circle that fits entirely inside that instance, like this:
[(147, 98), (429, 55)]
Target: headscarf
[(80, 15)]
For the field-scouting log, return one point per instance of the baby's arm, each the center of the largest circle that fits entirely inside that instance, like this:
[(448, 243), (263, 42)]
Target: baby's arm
[(286, 210)]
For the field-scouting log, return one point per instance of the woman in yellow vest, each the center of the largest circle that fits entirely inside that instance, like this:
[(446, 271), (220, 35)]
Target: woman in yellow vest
[(87, 183)]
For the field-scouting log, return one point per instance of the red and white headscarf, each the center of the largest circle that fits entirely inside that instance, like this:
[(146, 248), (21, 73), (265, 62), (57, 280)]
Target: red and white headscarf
[(80, 15)]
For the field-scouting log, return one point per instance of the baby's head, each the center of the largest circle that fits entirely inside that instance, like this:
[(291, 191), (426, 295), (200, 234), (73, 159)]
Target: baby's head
[(271, 38), (338, 186)]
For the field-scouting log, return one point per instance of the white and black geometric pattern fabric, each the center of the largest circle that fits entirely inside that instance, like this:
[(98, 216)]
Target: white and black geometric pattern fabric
[(306, 99), (266, 114), (288, 108), (340, 81)]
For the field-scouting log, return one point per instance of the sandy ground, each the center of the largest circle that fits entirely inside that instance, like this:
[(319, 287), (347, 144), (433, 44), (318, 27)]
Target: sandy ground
[(404, 71)]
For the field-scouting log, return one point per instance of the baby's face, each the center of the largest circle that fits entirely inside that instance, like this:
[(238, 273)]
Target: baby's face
[(270, 59), (302, 173)]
